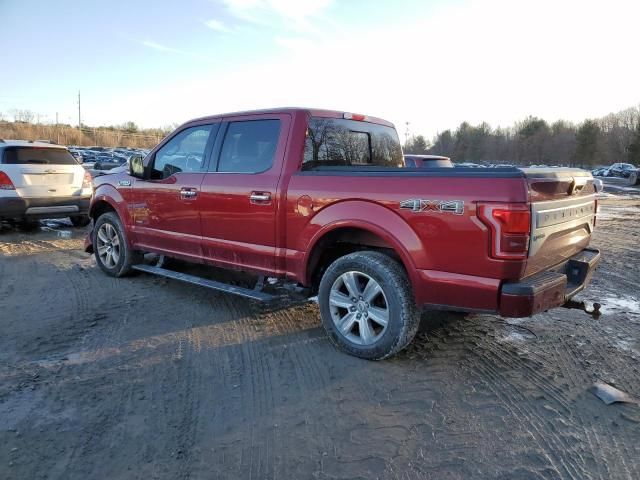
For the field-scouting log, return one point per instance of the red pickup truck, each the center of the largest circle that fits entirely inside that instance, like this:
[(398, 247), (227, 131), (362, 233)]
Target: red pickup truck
[(323, 198)]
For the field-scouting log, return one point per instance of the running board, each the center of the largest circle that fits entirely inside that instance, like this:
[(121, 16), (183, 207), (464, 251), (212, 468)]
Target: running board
[(204, 282)]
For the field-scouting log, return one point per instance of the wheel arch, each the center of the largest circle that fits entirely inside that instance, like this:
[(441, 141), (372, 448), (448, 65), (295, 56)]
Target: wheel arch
[(359, 225), (108, 199)]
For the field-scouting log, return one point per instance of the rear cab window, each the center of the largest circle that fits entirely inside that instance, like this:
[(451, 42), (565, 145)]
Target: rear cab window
[(37, 156), (249, 146), (334, 142)]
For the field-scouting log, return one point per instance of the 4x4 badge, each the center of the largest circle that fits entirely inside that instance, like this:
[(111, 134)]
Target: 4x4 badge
[(439, 206)]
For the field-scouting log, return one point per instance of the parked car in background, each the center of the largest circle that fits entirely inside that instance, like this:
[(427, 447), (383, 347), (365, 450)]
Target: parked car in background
[(602, 172), (107, 162), (467, 165), (322, 198), (427, 161), (41, 180), (621, 170)]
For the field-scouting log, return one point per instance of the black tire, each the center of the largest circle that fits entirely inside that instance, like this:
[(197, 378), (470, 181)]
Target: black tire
[(28, 225), (80, 220), (97, 166), (397, 297), (126, 256)]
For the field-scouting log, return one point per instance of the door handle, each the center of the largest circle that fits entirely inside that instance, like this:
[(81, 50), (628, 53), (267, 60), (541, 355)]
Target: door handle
[(260, 197), (187, 193)]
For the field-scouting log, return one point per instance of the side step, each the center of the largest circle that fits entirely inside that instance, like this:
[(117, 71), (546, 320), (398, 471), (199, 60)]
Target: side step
[(204, 282)]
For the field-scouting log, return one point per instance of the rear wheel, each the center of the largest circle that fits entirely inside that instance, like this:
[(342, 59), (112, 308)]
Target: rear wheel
[(80, 220), (367, 305), (110, 246)]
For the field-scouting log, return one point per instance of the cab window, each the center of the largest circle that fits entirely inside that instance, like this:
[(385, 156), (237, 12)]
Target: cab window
[(334, 142), (249, 146), (183, 153)]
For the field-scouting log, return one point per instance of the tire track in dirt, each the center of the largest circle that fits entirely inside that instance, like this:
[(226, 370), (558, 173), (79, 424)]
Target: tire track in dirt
[(499, 367), (604, 456)]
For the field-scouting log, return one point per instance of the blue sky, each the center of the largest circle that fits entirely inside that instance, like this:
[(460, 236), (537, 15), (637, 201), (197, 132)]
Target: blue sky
[(431, 63)]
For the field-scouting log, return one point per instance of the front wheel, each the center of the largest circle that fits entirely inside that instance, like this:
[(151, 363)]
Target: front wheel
[(111, 251), (367, 305)]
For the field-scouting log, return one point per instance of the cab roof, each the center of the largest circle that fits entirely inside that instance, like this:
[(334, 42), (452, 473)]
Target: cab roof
[(314, 112)]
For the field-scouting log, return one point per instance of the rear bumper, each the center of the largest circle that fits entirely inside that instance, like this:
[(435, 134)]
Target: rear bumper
[(549, 289), (48, 207)]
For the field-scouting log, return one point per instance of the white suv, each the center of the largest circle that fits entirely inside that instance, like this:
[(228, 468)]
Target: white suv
[(41, 180)]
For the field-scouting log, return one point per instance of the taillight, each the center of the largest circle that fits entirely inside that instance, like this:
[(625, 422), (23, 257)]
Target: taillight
[(5, 182), (87, 181), (510, 225)]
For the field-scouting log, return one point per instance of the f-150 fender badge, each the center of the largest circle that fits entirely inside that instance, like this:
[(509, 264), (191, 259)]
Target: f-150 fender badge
[(438, 206), (124, 183)]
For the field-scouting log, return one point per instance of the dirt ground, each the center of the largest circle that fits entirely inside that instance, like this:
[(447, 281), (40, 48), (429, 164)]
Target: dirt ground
[(144, 378)]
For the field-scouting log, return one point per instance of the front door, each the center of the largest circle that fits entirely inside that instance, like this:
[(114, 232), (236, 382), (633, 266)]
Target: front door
[(165, 213), (239, 197)]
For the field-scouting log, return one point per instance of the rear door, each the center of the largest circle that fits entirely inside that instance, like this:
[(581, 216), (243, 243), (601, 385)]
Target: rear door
[(165, 212), (240, 195), (43, 172)]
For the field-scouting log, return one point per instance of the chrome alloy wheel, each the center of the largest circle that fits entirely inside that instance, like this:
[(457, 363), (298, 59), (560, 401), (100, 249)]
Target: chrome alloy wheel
[(359, 308), (108, 245)]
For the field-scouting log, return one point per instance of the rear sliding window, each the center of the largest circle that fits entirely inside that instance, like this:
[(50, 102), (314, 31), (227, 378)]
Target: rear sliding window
[(37, 156), (333, 142)]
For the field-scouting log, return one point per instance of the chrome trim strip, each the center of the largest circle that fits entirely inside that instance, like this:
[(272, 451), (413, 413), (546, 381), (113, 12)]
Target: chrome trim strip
[(58, 209)]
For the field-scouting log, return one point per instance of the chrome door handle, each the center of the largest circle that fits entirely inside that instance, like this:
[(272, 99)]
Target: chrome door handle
[(260, 197), (188, 193)]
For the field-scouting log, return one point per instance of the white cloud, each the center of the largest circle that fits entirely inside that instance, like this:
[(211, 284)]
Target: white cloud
[(291, 13), (163, 48), (217, 25), (159, 47), (297, 44)]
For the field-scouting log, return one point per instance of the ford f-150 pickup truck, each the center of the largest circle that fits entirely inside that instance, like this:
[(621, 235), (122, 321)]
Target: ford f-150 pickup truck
[(322, 198)]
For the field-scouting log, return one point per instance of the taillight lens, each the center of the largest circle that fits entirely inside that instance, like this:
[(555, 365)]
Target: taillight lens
[(510, 225), (87, 181), (5, 182)]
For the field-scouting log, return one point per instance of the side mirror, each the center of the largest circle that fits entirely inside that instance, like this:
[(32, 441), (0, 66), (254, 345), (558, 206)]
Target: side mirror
[(136, 166)]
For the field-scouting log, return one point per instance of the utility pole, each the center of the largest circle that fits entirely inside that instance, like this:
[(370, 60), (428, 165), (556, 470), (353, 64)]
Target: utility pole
[(406, 134), (79, 118)]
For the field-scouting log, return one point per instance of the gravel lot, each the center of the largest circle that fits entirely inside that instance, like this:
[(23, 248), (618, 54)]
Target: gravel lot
[(148, 378)]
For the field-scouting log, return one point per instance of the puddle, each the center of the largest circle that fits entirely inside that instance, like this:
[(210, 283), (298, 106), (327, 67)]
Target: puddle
[(612, 304)]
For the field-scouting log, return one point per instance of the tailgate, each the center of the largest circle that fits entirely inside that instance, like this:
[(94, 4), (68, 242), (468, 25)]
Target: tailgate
[(36, 181), (563, 209)]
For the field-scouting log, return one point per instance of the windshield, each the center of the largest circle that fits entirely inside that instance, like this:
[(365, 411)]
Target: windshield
[(37, 156)]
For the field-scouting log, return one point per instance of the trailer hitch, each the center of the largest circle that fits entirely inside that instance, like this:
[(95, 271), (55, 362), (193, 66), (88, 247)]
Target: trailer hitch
[(594, 312)]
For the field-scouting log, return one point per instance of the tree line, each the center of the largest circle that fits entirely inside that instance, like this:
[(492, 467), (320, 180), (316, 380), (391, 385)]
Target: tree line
[(127, 134), (534, 141)]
